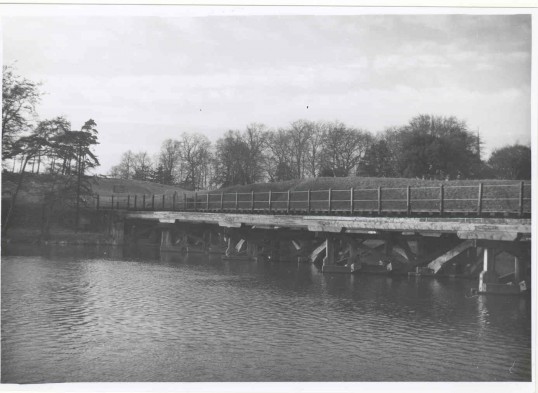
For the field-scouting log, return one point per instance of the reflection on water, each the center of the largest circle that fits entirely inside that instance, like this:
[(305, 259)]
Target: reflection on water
[(100, 314)]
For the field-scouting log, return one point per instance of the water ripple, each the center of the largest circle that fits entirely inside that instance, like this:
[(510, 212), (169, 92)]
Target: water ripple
[(82, 318)]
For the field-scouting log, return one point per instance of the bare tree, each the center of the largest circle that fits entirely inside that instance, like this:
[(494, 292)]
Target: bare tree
[(315, 147), (142, 166), (240, 158), (301, 132), (125, 169), (343, 149), (254, 138), (19, 98), (230, 155), (194, 156), (279, 155), (169, 158)]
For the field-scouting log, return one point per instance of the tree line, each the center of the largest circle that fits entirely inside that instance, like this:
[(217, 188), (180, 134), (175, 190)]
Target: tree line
[(428, 147), (49, 146)]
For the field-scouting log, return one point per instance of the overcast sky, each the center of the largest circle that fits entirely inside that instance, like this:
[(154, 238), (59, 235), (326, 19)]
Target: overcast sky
[(145, 79)]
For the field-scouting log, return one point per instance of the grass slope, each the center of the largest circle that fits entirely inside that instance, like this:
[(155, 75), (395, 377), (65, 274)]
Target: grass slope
[(345, 183), (105, 186), (34, 186)]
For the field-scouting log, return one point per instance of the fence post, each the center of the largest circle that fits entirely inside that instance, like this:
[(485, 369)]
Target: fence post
[(174, 201), (184, 201), (480, 191), (221, 200), (351, 200), (309, 201), (152, 201), (408, 200), (97, 202), (521, 200), (144, 202), (236, 202), (330, 198), (112, 202), (270, 199), (288, 207), (379, 206), (252, 201), (163, 201), (134, 202), (128, 201), (442, 199), (195, 201), (207, 201)]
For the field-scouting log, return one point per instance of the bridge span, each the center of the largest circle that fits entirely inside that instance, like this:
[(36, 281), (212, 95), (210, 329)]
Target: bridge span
[(419, 237)]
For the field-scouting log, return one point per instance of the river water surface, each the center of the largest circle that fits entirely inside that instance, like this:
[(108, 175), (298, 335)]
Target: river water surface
[(99, 314)]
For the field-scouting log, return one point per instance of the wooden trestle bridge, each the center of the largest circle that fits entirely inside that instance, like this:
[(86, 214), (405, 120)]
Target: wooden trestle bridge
[(445, 230)]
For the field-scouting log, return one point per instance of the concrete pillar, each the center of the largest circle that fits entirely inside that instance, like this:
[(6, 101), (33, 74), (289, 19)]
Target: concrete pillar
[(166, 238), (275, 250), (131, 234), (517, 270), (482, 280), (352, 253), (488, 256), (488, 274), (329, 262), (252, 248), (329, 252), (230, 250), (117, 232)]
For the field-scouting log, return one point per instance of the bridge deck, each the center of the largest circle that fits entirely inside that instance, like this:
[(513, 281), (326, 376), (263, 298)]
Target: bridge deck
[(508, 229)]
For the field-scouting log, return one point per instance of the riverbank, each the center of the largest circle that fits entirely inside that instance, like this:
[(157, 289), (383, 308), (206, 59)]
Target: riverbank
[(34, 221), (32, 236)]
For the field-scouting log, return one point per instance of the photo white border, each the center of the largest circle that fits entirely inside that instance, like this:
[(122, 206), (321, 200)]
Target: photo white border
[(138, 8)]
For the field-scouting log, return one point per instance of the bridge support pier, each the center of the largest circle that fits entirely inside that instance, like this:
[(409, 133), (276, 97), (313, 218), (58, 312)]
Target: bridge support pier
[(382, 245), (114, 227), (329, 262), (517, 269), (216, 243), (489, 280), (488, 275), (253, 249), (117, 232), (235, 247), (167, 241), (274, 250), (166, 238)]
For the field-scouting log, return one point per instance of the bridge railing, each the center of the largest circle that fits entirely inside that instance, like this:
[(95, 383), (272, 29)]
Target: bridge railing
[(512, 199)]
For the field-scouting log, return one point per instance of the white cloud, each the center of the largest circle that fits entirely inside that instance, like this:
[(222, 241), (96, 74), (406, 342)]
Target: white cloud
[(208, 75)]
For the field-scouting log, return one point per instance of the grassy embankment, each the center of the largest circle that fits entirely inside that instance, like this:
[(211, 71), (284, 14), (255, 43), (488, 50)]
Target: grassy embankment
[(27, 217)]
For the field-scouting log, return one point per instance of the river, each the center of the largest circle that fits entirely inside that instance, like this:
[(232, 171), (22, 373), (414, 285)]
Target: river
[(88, 314)]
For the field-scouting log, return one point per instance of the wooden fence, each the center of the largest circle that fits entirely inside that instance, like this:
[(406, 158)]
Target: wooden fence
[(476, 200)]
